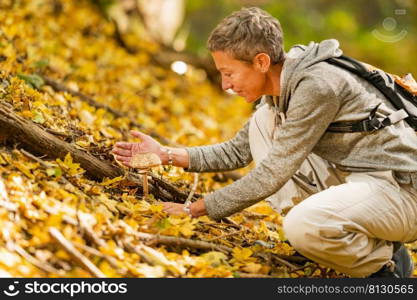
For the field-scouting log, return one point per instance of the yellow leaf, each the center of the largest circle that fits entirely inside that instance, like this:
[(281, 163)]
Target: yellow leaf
[(148, 271), (27, 114), (62, 255), (5, 157), (242, 255), (108, 181), (54, 220), (187, 229), (108, 270), (71, 167), (2, 161), (252, 267), (142, 206), (24, 169), (109, 132), (205, 219), (83, 144), (108, 203), (156, 208), (214, 258), (158, 258)]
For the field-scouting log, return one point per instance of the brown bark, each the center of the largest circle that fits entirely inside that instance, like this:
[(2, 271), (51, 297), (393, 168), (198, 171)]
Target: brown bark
[(18, 130), (37, 140)]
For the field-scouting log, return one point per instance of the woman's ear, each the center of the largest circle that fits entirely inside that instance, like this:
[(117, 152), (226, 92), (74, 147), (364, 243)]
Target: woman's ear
[(261, 62)]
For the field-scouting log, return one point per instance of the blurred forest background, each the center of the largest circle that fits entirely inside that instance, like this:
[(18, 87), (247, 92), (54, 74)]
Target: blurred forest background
[(76, 76), (381, 32)]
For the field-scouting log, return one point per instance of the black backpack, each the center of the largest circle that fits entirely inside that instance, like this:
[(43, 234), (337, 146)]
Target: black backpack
[(401, 92)]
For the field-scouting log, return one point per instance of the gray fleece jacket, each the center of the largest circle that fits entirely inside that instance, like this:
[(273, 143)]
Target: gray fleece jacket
[(313, 95)]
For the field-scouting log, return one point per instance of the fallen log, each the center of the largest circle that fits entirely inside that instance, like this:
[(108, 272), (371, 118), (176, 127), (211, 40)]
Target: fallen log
[(18, 130)]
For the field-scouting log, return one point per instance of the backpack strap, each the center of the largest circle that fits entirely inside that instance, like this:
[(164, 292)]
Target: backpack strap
[(385, 84), (371, 124), (402, 95)]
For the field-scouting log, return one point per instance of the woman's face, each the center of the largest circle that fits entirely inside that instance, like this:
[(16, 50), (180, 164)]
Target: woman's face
[(245, 79)]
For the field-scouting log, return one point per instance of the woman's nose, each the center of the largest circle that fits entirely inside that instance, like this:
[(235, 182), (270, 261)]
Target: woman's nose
[(226, 85)]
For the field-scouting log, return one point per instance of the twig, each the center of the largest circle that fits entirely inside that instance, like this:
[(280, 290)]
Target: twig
[(293, 258), (178, 241), (227, 235), (252, 275), (284, 262), (90, 235), (90, 250), (41, 265), (12, 207), (193, 189), (173, 241), (253, 215), (137, 249), (112, 261), (78, 257), (229, 221), (223, 225), (304, 267), (156, 181), (197, 244), (40, 161)]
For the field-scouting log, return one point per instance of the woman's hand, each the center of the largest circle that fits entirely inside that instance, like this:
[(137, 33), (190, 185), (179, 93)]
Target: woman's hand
[(124, 151), (175, 209), (197, 208)]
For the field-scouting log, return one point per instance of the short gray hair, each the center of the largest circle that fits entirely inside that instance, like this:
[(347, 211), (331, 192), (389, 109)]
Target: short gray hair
[(247, 32)]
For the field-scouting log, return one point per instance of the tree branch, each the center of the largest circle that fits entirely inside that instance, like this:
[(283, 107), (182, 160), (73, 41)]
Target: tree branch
[(78, 257), (19, 130)]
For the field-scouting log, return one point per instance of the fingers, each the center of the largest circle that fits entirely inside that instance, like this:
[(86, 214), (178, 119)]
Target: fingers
[(173, 208), (123, 160), (138, 134), (122, 152), (124, 145), (129, 145)]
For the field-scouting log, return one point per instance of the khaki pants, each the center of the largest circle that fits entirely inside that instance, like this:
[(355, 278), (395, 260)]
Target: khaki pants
[(346, 221)]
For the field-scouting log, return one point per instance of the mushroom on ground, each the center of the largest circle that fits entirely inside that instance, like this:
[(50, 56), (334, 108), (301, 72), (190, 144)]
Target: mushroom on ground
[(144, 162)]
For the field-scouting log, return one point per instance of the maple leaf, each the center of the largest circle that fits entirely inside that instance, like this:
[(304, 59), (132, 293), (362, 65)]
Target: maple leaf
[(71, 167), (242, 255), (215, 258), (110, 182)]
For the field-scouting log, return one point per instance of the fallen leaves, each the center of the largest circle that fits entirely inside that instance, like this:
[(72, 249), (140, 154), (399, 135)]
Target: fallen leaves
[(99, 222), (71, 168)]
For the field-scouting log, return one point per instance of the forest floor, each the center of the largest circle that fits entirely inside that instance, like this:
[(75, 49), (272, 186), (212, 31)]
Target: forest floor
[(62, 69)]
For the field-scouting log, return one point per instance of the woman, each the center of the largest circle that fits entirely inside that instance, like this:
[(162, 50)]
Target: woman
[(345, 204)]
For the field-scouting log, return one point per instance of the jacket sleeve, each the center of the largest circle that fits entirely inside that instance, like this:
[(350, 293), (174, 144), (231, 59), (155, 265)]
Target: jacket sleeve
[(229, 155), (311, 109)]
